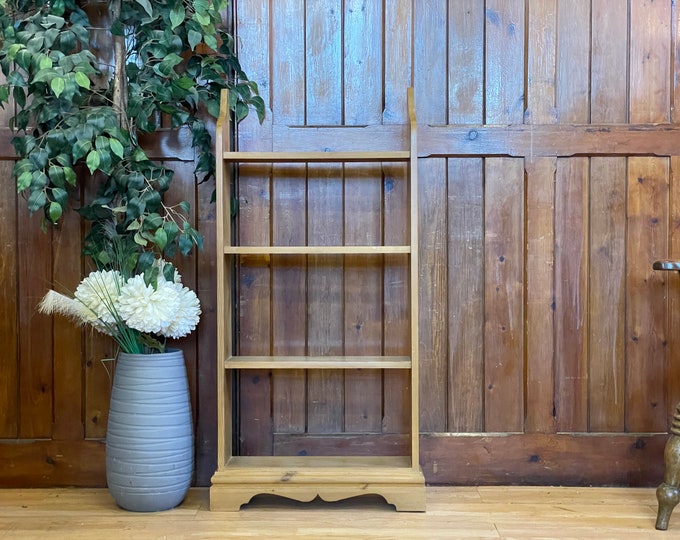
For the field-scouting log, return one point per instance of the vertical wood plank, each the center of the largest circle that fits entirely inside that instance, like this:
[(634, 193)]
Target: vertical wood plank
[(571, 223), (503, 297), (363, 298), (396, 340), (36, 389), (9, 312), (504, 100), (573, 61), (323, 99), (466, 61), (289, 276), (609, 59), (607, 254), (650, 58), (675, 56), (647, 240), (99, 370), (323, 46), (430, 82), (609, 94), (325, 404), (99, 358), (541, 62), (68, 344), (673, 377), (540, 300), (206, 332), (503, 219), (647, 236), (571, 293), (363, 98), (398, 73), (540, 222), (465, 295), (254, 226), (363, 73), (398, 62), (288, 300), (466, 223)]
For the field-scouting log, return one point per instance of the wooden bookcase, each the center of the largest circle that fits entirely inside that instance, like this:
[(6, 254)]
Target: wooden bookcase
[(237, 479)]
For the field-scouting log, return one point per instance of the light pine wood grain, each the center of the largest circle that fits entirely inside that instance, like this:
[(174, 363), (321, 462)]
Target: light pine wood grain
[(528, 513)]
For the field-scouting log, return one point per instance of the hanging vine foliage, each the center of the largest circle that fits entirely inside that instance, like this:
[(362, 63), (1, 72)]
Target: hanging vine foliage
[(171, 60)]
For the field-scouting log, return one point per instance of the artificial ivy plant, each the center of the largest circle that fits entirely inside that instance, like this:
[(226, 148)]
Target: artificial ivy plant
[(78, 121)]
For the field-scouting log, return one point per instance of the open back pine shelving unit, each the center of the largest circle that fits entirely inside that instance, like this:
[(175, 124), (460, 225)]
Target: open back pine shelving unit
[(398, 479)]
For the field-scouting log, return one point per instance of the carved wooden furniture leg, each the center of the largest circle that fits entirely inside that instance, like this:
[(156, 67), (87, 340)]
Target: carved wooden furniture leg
[(668, 493)]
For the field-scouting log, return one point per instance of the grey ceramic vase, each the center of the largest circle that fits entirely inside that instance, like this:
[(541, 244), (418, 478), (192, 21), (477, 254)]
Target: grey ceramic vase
[(149, 438)]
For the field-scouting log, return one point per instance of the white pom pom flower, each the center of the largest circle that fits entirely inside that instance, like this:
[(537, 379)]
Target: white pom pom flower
[(146, 309), (136, 315), (98, 293), (187, 316)]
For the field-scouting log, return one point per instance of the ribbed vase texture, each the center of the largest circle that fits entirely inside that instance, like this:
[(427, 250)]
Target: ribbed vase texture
[(149, 439)]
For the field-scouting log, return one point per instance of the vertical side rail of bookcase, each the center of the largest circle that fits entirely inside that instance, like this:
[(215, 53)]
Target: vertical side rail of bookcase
[(413, 276), (224, 269)]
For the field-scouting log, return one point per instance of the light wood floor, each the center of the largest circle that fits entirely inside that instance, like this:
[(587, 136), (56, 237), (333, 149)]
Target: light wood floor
[(452, 512)]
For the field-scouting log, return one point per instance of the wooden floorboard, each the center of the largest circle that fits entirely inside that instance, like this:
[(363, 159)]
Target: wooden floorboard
[(529, 513)]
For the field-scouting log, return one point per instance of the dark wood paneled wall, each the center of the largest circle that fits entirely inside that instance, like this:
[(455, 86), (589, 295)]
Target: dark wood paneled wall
[(549, 146), (548, 143)]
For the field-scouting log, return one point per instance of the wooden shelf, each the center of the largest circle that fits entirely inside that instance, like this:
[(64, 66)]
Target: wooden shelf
[(315, 250), (262, 463), (318, 362), (316, 157), (398, 479), (330, 478)]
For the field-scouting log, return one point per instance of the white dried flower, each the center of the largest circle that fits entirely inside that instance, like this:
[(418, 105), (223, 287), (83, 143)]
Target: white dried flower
[(147, 309), (54, 302), (98, 293), (128, 310), (187, 316)]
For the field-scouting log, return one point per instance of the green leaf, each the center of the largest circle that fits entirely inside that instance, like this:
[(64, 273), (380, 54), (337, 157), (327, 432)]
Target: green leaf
[(135, 208), (160, 238), (56, 175), (81, 148), (38, 180), (57, 84), (147, 6), (60, 196), (139, 239), (171, 229), (14, 50), (39, 158), (185, 244), (202, 19), (24, 180), (153, 221), (54, 211), (82, 80), (92, 160), (165, 68), (117, 148), (36, 201), (194, 38), (177, 15), (70, 176)]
